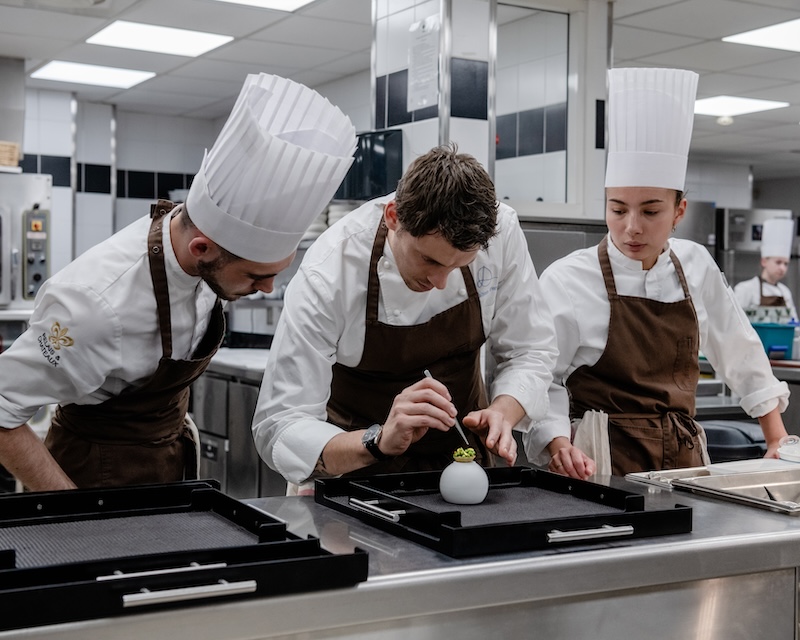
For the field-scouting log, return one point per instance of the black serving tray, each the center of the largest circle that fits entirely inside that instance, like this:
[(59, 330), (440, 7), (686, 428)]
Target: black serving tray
[(76, 555), (525, 509)]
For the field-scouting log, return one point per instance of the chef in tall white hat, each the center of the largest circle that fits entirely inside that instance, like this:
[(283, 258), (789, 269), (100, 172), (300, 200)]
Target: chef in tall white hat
[(117, 337), (766, 289), (632, 313)]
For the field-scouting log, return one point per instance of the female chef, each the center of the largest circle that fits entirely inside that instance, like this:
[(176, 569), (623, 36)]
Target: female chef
[(767, 290), (632, 312)]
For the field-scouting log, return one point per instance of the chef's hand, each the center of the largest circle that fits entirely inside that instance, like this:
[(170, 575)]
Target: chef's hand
[(424, 405), (569, 460), (495, 431)]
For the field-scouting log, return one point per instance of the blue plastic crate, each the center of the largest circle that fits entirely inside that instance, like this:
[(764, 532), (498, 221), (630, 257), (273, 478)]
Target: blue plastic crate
[(776, 338)]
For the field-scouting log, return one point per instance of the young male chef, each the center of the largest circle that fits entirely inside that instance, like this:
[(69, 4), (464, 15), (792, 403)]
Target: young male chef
[(117, 336), (767, 290), (415, 280), (631, 313)]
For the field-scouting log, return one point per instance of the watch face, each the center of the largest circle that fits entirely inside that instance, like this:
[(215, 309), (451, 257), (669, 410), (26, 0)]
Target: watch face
[(371, 434)]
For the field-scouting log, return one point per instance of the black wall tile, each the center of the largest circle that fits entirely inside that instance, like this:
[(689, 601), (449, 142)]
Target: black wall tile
[(380, 102), (555, 120), (506, 126), (29, 163), (141, 184), (96, 178), (469, 88), (397, 99), (122, 181), (168, 181), (600, 125), (531, 132), (79, 177), (58, 167), (426, 113)]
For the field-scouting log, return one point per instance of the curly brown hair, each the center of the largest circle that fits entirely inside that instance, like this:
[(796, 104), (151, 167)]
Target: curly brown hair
[(450, 193)]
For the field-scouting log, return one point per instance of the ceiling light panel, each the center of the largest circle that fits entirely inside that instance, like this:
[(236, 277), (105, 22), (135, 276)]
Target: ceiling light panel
[(733, 106), (78, 73), (277, 5), (157, 39), (785, 36)]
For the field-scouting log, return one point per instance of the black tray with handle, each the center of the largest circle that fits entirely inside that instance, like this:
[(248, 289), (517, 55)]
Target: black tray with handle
[(82, 554), (525, 509)]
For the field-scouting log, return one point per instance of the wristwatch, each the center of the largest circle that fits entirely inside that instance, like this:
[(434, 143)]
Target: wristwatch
[(370, 440)]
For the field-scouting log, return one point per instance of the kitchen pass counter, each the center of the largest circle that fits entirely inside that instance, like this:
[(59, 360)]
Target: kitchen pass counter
[(733, 576)]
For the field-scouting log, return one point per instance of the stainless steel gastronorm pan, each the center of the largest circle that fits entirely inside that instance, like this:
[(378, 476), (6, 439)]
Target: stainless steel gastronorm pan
[(777, 490)]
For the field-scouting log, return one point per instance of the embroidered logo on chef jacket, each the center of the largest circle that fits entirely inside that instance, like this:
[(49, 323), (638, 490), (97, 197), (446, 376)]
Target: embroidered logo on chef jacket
[(485, 281), (50, 344)]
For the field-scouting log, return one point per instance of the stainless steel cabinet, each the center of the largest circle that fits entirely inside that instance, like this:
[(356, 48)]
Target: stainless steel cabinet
[(223, 409)]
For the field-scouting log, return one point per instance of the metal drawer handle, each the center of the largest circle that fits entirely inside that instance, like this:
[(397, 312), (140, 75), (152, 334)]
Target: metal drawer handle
[(606, 531), (370, 506), (118, 575), (222, 588)]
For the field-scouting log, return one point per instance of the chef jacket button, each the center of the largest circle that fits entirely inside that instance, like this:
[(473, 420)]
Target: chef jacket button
[(387, 264), (462, 292), (396, 312)]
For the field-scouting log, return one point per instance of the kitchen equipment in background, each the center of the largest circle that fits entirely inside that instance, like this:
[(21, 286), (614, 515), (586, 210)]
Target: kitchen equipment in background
[(739, 249), (25, 202), (699, 224), (223, 404), (376, 168), (778, 339), (252, 320)]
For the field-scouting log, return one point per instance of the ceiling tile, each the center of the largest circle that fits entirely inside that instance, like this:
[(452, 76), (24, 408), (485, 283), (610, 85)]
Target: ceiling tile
[(630, 43), (222, 70), (286, 55), (715, 56), (347, 36), (212, 17), (124, 58), (47, 24), (349, 64), (708, 19), (359, 11)]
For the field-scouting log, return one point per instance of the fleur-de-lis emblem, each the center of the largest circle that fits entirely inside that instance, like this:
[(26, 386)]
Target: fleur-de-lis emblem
[(58, 337)]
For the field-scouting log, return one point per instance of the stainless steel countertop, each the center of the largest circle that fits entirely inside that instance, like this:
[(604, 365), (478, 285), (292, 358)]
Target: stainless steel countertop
[(407, 580), (243, 364)]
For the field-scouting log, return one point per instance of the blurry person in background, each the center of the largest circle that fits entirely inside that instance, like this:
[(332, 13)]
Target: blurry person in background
[(766, 289)]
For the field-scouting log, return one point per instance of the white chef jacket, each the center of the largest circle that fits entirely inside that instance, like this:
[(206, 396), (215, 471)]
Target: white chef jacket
[(748, 293), (576, 295), (323, 322), (104, 304)]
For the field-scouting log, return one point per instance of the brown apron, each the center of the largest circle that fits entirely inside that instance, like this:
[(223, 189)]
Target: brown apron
[(139, 436), (395, 357), (645, 380), (769, 301)]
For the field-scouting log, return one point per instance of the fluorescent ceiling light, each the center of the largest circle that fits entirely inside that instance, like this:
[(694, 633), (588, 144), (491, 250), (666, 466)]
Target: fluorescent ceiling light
[(150, 37), (278, 5), (732, 106), (777, 36), (76, 72)]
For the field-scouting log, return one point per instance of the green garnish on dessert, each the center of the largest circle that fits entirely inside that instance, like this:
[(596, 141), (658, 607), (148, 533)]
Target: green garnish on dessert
[(464, 454)]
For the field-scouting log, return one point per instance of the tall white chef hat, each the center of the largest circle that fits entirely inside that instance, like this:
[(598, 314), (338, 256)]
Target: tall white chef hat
[(776, 238), (650, 118), (274, 167)]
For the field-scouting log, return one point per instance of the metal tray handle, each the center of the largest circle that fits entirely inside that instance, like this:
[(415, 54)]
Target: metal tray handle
[(194, 566), (370, 506), (606, 531), (222, 588)]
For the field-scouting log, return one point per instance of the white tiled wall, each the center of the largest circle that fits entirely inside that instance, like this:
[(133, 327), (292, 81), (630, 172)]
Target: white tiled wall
[(148, 142), (93, 133), (93, 220), (352, 96), (48, 131), (726, 185), (48, 123), (532, 73)]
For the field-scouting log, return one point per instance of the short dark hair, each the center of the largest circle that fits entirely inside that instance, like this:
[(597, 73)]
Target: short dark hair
[(450, 193)]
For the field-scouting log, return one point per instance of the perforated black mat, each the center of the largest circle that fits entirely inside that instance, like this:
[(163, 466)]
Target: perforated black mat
[(81, 540)]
